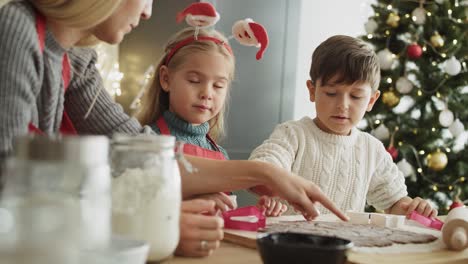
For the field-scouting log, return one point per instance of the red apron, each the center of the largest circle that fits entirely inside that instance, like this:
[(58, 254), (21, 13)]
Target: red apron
[(66, 127), (191, 149)]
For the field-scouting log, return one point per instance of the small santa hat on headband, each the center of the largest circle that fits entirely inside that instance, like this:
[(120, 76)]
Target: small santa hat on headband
[(200, 14), (250, 33)]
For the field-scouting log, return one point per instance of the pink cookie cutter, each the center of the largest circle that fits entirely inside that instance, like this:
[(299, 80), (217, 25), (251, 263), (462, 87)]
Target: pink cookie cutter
[(431, 222), (248, 218)]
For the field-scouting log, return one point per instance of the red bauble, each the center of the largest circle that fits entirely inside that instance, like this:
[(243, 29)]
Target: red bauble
[(414, 51), (393, 152)]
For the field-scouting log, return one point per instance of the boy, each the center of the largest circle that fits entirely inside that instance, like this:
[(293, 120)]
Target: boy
[(349, 165)]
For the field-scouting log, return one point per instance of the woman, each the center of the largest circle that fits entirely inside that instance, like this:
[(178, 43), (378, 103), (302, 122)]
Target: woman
[(49, 84)]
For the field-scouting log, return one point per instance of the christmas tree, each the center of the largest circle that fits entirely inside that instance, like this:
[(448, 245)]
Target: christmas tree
[(422, 113)]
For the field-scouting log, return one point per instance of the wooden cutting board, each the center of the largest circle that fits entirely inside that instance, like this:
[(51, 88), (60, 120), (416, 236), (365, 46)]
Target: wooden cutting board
[(248, 239)]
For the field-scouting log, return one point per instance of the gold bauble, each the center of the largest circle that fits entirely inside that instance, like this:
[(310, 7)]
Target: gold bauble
[(437, 40), (393, 20), (437, 160), (390, 98)]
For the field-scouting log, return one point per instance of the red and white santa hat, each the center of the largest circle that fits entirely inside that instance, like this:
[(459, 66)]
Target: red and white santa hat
[(200, 14), (249, 33)]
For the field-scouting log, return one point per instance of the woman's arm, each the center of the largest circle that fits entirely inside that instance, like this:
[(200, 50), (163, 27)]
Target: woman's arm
[(20, 73), (217, 175)]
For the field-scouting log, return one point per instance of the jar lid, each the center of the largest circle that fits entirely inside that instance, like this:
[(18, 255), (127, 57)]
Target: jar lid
[(144, 141), (79, 149)]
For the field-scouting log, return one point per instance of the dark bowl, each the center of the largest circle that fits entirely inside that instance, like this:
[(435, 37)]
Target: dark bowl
[(291, 248)]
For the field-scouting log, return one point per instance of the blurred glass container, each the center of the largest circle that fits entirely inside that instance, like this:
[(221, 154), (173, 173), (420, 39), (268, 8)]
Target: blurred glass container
[(57, 197), (146, 191)]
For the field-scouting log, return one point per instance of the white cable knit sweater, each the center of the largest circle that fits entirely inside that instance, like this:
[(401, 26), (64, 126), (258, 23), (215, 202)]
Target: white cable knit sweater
[(348, 169)]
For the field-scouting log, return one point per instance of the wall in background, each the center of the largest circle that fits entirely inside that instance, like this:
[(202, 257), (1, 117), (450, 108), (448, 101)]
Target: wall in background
[(320, 20), (144, 46)]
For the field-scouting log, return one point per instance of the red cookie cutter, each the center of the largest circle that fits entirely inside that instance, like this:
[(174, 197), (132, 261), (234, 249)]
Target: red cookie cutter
[(431, 222), (248, 218)]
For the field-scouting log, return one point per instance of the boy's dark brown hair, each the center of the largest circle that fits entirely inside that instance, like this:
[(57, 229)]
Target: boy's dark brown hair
[(347, 59)]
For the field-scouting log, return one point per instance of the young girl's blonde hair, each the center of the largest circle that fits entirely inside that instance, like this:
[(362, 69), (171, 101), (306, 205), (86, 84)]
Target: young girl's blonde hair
[(81, 14), (156, 100)]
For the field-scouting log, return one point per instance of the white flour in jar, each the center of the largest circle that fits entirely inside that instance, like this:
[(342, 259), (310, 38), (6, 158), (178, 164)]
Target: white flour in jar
[(134, 188), (146, 206)]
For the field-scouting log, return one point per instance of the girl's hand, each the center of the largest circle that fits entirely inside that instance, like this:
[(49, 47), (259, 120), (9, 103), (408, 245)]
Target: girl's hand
[(270, 206), (222, 201), (200, 234)]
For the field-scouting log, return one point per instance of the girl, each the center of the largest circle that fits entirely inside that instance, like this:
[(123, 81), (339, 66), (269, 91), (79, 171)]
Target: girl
[(187, 99)]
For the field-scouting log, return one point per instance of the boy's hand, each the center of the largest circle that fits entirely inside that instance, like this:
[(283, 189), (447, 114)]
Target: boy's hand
[(222, 201), (270, 206), (407, 205), (421, 206)]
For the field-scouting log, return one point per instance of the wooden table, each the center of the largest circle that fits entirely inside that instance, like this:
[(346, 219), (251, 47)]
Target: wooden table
[(232, 253)]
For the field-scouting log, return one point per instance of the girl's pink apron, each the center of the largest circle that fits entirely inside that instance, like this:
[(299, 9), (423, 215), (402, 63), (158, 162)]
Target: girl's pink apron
[(191, 149), (66, 127)]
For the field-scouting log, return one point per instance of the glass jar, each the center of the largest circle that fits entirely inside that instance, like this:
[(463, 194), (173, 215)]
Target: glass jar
[(57, 197), (146, 191)]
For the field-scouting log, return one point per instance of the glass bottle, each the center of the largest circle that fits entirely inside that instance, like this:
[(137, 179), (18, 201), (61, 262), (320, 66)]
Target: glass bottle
[(57, 199)]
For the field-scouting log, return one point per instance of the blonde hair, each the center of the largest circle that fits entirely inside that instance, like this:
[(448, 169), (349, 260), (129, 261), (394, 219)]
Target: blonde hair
[(156, 100), (81, 14)]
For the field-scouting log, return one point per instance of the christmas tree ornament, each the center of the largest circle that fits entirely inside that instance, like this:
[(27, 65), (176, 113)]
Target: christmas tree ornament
[(249, 33), (393, 20), (390, 98), (393, 152), (403, 85), (386, 58), (419, 15), (391, 147), (201, 15), (381, 132), (456, 203), (456, 128), (437, 40), (437, 160), (414, 51), (452, 66), (405, 167), (446, 118), (370, 26), (456, 200)]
